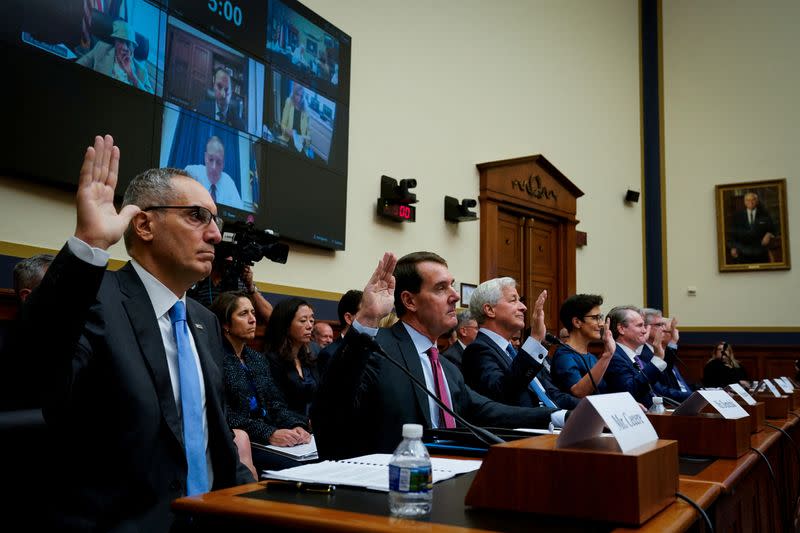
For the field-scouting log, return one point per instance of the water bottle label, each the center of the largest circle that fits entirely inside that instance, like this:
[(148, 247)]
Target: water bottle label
[(417, 479)]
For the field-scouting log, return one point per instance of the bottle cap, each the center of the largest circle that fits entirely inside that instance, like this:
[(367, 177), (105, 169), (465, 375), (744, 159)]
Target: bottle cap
[(658, 399), (412, 431)]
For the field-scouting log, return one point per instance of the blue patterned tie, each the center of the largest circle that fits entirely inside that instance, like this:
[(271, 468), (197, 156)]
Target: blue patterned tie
[(537, 388), (191, 404), (512, 353)]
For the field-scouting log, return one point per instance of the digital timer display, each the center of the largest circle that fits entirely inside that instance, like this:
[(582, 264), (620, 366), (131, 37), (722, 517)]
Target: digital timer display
[(242, 22), (227, 9), (396, 211)]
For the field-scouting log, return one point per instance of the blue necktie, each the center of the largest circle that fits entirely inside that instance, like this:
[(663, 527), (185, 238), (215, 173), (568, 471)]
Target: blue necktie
[(191, 404), (512, 353), (534, 385)]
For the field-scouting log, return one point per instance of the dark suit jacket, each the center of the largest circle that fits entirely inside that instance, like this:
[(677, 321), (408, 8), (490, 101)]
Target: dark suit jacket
[(208, 108), (363, 400), (490, 371), (324, 355), (455, 354), (108, 399), (563, 400), (747, 238), (623, 376), (667, 385)]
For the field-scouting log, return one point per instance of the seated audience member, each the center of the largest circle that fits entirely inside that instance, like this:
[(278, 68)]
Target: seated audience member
[(346, 311), (575, 370), (206, 290), (129, 366), (211, 175), (466, 330), (627, 371), (116, 60), (219, 107), (18, 381), (293, 366), (492, 366), (321, 336), (663, 338), (723, 368), (294, 118), (255, 404), (364, 400)]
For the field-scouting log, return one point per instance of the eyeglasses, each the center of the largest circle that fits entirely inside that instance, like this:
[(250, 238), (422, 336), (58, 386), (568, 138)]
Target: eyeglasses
[(198, 214), (597, 318)]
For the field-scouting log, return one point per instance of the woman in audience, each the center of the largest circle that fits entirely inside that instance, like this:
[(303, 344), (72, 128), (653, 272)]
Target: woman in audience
[(293, 366), (722, 368), (255, 404), (574, 369)]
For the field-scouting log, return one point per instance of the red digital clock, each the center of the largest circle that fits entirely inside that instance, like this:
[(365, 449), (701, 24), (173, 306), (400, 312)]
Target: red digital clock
[(396, 211)]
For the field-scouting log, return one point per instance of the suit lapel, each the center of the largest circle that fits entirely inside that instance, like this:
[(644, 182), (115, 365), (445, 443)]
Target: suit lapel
[(500, 355), (140, 314), (408, 355)]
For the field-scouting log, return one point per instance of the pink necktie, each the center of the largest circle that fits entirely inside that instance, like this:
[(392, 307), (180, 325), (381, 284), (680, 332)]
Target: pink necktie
[(441, 388)]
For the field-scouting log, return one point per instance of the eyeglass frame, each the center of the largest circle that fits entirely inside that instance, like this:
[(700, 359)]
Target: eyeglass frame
[(199, 208), (598, 318)]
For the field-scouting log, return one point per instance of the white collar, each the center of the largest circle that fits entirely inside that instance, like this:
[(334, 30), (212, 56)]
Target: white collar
[(629, 352), (498, 339), (161, 297), (421, 342)]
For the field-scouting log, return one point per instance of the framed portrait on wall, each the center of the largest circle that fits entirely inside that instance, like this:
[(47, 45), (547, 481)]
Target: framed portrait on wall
[(466, 294), (752, 233)]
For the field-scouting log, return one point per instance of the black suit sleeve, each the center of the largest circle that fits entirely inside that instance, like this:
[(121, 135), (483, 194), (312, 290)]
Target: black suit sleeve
[(484, 373)]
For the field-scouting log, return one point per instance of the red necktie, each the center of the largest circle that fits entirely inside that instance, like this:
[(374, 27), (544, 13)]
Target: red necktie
[(441, 388)]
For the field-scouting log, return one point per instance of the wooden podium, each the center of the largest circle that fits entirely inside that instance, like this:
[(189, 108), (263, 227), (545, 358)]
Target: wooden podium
[(707, 434), (592, 480), (775, 406)]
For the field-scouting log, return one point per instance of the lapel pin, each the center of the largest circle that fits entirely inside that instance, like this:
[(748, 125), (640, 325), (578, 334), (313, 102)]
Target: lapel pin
[(198, 326)]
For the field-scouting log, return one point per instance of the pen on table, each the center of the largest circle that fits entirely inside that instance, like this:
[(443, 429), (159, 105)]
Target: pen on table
[(323, 488)]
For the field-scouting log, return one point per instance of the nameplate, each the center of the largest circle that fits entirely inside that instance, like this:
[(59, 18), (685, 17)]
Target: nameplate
[(619, 412), (784, 384), (718, 399), (743, 394), (768, 384)]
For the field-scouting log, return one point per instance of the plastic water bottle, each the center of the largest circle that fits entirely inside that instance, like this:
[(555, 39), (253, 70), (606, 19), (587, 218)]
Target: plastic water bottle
[(410, 477), (658, 406)]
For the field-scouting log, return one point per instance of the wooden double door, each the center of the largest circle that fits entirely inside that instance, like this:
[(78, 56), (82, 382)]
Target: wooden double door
[(528, 250)]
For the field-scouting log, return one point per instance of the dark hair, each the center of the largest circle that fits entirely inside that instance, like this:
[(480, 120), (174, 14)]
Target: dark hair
[(349, 303), (224, 305), (576, 306), (620, 316), (407, 276), (277, 337)]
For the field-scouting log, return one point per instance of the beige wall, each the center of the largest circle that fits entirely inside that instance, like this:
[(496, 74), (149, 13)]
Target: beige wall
[(730, 98), (440, 86)]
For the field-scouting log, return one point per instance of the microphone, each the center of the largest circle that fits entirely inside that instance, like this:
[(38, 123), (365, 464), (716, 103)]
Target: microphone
[(484, 435)]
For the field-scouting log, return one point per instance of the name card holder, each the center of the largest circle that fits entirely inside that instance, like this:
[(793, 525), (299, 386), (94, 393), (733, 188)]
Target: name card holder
[(588, 480), (775, 406), (625, 477), (757, 413)]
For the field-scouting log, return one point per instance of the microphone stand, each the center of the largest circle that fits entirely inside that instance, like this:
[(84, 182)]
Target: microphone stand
[(484, 435)]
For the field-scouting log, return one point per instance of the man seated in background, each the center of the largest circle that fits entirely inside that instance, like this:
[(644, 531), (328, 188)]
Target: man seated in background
[(364, 400), (466, 330), (211, 175), (321, 336), (116, 60), (130, 368), (492, 365), (663, 338), (627, 371), (219, 107)]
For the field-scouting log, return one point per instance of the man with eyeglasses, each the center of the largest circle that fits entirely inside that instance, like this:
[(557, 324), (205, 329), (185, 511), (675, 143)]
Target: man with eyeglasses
[(662, 340), (466, 330), (628, 371), (131, 371)]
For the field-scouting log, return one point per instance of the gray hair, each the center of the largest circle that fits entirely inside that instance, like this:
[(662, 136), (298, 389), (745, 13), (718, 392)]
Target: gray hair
[(649, 313), (29, 272), (620, 316), (464, 317), (488, 292), (151, 187)]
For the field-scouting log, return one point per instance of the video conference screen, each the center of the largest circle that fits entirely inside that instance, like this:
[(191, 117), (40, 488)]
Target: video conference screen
[(250, 97)]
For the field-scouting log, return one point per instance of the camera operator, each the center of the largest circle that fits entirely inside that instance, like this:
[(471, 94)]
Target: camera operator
[(224, 274)]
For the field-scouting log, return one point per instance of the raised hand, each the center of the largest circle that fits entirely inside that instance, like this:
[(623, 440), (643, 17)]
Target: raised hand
[(378, 298), (674, 333), (658, 339), (99, 224), (609, 346), (538, 329)]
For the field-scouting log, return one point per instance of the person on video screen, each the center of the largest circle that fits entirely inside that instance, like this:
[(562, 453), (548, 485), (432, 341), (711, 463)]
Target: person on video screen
[(294, 119), (219, 107), (116, 60), (212, 176)]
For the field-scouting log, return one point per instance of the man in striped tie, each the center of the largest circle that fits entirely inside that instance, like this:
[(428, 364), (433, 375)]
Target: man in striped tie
[(364, 400)]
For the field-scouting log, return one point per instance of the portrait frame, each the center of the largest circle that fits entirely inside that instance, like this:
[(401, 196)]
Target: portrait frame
[(466, 293), (752, 242)]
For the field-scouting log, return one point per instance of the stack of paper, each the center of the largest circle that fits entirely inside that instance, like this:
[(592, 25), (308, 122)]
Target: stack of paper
[(301, 452)]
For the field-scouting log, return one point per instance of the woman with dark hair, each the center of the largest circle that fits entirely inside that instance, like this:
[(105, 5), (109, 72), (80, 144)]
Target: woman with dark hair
[(255, 404), (723, 368), (293, 366)]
